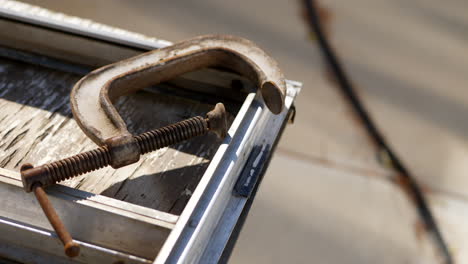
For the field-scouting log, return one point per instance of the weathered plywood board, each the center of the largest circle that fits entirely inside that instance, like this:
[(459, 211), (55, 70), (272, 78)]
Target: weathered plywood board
[(37, 127)]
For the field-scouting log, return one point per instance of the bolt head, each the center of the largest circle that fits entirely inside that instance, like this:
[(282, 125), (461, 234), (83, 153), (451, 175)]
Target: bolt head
[(31, 175)]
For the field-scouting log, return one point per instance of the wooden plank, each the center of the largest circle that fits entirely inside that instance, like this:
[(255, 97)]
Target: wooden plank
[(38, 128)]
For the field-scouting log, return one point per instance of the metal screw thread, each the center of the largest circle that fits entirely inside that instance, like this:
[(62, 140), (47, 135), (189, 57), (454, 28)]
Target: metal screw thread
[(78, 164), (98, 158), (172, 134)]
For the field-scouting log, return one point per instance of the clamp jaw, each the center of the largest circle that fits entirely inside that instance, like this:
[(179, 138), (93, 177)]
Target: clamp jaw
[(92, 96)]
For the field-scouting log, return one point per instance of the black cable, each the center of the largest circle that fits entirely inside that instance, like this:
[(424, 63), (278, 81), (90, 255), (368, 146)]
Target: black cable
[(348, 91)]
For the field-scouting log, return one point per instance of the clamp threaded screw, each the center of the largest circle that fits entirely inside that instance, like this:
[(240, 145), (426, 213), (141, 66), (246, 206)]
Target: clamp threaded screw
[(51, 173), (36, 178)]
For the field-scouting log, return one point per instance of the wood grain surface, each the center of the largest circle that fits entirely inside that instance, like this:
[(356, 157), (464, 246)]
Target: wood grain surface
[(38, 127)]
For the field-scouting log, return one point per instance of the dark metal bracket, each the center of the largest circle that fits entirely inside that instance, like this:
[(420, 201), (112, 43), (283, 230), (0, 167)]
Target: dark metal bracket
[(250, 174)]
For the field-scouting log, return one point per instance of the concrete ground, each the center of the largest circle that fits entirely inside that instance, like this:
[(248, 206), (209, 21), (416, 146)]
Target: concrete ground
[(317, 204)]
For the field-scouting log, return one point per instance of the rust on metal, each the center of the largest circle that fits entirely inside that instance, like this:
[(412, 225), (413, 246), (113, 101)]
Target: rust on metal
[(93, 96), (51, 173), (72, 249), (60, 170), (124, 150)]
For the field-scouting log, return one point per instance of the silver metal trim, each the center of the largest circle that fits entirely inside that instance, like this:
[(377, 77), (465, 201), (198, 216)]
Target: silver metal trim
[(44, 246), (85, 27), (213, 198)]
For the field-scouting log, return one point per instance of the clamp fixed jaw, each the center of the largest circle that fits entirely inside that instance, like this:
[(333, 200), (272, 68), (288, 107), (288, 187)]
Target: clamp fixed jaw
[(92, 104), (93, 96)]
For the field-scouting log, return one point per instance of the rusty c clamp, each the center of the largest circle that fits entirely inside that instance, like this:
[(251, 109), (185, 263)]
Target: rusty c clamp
[(92, 96), (92, 104)]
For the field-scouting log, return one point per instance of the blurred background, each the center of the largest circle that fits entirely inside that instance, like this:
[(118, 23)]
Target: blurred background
[(326, 198)]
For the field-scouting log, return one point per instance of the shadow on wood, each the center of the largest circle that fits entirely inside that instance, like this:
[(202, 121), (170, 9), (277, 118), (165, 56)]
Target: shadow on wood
[(167, 191)]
